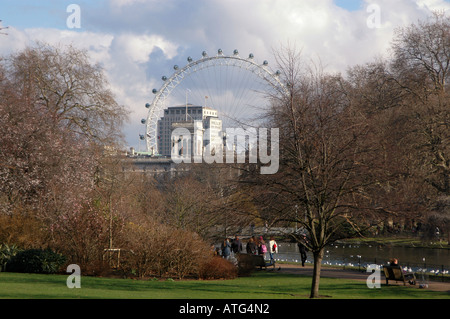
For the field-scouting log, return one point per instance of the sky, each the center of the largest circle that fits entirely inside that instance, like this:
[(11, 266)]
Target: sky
[(138, 41)]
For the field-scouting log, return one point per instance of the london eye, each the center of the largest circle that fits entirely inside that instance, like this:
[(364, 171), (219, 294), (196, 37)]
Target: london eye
[(239, 88)]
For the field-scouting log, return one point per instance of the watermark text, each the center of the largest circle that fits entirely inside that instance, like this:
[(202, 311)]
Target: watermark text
[(74, 280)]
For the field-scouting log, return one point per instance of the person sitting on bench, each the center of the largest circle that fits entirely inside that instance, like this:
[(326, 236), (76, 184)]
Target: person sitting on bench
[(408, 275)]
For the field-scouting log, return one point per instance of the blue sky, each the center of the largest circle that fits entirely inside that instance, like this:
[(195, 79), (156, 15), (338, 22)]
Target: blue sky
[(52, 13), (137, 41), (351, 5)]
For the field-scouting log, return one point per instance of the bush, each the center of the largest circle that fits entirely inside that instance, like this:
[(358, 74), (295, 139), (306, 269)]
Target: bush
[(6, 253), (22, 229), (155, 249), (41, 261), (82, 235), (218, 268)]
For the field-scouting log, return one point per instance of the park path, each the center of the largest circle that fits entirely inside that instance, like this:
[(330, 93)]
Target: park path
[(355, 275)]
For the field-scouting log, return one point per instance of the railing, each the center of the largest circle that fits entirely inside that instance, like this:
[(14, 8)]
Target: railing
[(426, 269)]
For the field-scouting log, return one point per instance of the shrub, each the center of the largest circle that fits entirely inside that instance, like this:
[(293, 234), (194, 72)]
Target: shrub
[(6, 253), (82, 235), (42, 261), (156, 249), (23, 229), (218, 268)]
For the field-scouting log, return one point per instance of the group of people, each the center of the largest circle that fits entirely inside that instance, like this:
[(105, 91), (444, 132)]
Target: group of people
[(254, 246), (258, 246)]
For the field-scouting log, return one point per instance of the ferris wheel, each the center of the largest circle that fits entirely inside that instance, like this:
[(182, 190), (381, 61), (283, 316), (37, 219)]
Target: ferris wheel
[(238, 88)]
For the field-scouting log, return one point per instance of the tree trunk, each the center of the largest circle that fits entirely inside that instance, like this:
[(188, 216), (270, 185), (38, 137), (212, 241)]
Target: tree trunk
[(318, 256)]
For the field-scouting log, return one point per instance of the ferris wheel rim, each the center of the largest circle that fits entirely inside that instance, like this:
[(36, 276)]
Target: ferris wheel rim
[(170, 83)]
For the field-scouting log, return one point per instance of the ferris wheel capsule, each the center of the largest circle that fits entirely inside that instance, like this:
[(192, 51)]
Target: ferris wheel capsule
[(278, 73), (154, 91), (235, 52), (219, 52), (143, 121), (265, 63), (147, 105), (204, 54), (189, 59), (251, 56), (175, 67), (164, 78), (142, 137)]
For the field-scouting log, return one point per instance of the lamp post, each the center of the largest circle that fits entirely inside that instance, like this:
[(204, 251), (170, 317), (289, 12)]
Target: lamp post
[(187, 90)]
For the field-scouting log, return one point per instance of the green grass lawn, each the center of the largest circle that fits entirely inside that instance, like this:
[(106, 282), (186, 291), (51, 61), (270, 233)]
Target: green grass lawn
[(261, 285)]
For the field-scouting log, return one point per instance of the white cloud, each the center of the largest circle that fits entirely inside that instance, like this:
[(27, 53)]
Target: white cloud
[(139, 47), (96, 43), (137, 41)]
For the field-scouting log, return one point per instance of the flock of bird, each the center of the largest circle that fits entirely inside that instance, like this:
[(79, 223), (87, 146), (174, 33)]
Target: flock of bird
[(405, 269), (349, 264)]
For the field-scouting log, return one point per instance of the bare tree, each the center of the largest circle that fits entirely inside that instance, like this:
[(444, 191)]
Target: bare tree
[(424, 47), (421, 67), (56, 116), (323, 158), (189, 205), (71, 91)]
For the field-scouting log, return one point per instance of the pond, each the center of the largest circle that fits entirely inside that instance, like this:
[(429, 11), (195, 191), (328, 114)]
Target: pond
[(364, 254)]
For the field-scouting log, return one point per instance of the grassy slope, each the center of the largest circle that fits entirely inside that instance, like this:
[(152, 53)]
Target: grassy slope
[(259, 286)]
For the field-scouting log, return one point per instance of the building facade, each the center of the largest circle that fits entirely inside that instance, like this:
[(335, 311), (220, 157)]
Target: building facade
[(202, 122)]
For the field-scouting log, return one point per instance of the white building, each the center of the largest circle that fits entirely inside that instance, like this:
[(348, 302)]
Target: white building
[(202, 122)]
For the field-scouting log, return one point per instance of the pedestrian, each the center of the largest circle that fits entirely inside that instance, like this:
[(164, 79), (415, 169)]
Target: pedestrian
[(226, 248), (251, 246), (262, 248), (302, 247), (273, 247), (236, 246)]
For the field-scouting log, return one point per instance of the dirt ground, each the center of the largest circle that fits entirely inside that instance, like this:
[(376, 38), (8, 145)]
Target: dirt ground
[(351, 274)]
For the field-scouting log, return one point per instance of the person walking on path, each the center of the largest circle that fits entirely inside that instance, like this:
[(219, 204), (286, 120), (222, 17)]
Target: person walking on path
[(273, 247), (251, 246), (262, 248), (236, 245), (303, 248), (226, 249)]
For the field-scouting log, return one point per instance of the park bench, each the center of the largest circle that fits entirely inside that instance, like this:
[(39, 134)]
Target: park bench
[(248, 262), (396, 273), (259, 261)]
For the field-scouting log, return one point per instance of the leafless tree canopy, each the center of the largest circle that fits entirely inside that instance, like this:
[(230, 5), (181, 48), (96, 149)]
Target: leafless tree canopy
[(364, 148), (72, 92), (57, 115)]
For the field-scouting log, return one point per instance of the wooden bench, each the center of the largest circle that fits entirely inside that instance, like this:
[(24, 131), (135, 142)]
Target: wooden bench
[(396, 273), (248, 262), (259, 261)]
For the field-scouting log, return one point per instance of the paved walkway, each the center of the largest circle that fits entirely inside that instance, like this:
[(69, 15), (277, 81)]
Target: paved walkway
[(350, 274)]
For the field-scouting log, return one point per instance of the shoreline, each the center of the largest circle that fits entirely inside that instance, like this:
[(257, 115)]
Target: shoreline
[(334, 272), (397, 242)]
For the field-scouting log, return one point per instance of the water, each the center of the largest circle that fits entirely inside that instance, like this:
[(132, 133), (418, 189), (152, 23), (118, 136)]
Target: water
[(363, 254)]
